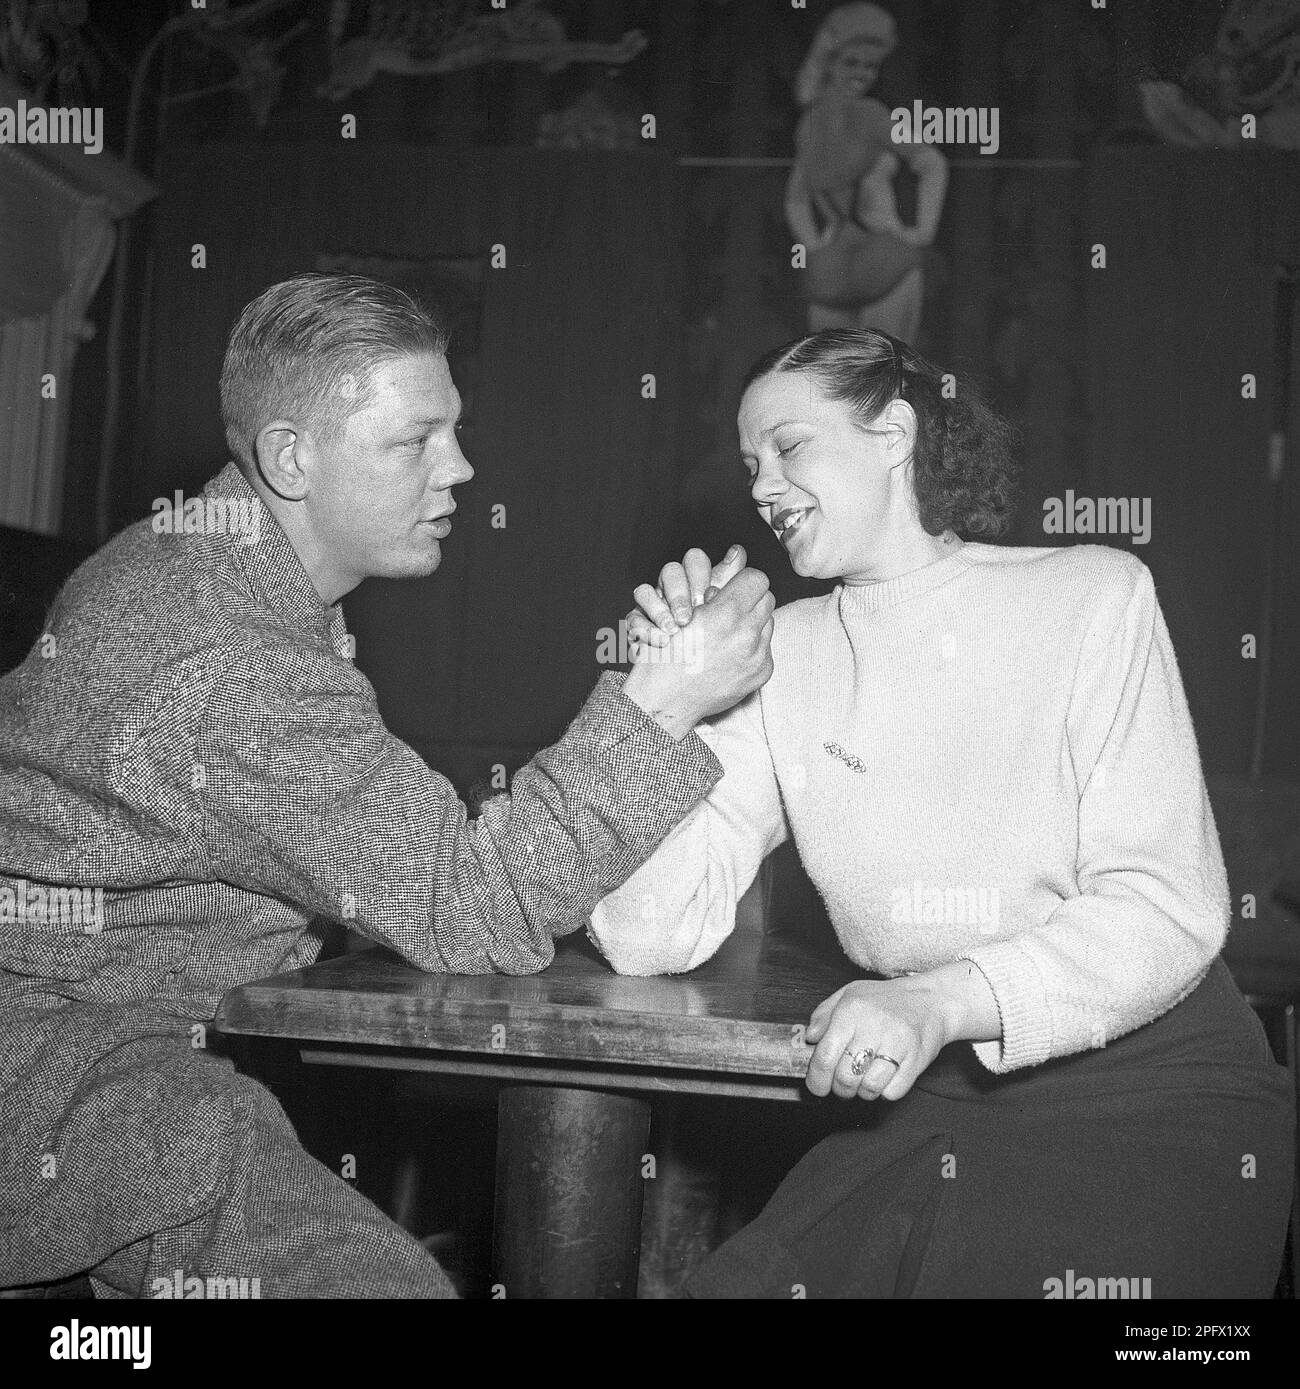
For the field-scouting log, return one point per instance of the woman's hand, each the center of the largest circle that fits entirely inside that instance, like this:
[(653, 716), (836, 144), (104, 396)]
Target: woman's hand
[(906, 1022), (682, 588), (902, 1024)]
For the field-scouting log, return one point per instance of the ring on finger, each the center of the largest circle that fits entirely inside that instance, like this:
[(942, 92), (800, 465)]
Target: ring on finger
[(860, 1060)]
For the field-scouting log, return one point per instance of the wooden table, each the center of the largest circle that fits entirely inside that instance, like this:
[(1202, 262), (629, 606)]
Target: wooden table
[(582, 1053)]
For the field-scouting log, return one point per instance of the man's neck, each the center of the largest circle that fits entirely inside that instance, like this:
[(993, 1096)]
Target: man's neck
[(292, 519)]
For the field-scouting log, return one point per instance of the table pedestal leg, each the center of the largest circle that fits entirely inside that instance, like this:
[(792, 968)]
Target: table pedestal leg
[(680, 1224), (568, 1193)]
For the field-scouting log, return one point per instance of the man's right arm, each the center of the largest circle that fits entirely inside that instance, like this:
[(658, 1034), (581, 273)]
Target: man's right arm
[(306, 796)]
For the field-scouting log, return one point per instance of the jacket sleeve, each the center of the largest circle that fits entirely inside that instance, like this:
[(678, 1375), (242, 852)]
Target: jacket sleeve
[(309, 798)]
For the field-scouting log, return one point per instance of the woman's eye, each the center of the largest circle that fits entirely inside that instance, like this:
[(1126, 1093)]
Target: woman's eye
[(417, 443), (788, 449)]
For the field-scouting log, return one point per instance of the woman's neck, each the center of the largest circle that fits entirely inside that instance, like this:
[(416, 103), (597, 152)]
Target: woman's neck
[(905, 554)]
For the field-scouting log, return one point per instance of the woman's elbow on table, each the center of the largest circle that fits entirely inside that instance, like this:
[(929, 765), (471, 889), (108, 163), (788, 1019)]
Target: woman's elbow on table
[(636, 947)]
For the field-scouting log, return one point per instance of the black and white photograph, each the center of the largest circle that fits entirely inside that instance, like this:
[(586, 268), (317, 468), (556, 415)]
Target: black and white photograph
[(648, 651)]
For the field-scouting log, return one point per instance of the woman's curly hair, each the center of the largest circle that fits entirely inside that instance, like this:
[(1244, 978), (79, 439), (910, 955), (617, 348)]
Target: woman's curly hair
[(963, 463)]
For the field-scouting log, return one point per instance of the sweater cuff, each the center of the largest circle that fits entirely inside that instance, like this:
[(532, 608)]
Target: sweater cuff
[(1022, 1005)]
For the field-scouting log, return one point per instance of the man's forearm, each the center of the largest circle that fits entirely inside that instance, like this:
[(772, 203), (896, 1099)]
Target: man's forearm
[(580, 818)]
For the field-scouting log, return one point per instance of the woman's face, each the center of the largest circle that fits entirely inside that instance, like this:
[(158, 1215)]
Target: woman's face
[(853, 69), (830, 490)]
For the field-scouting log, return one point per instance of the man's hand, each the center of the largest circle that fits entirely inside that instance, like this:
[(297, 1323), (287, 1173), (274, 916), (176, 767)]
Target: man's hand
[(717, 656)]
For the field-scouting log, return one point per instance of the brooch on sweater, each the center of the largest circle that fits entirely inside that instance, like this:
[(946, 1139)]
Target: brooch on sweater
[(854, 764)]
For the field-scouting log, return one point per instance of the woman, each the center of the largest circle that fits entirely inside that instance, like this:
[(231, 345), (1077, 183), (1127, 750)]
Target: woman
[(864, 265), (985, 759)]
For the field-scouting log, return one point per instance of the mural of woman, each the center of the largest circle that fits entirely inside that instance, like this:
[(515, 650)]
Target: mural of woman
[(864, 264)]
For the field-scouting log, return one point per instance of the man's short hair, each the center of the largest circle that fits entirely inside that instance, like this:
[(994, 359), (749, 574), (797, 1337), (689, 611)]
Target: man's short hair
[(306, 350)]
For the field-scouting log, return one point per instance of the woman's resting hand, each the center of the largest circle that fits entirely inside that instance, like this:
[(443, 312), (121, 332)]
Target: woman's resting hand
[(906, 1022)]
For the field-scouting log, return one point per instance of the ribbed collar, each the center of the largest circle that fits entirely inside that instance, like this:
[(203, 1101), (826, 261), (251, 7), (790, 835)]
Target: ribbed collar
[(889, 593), (272, 567)]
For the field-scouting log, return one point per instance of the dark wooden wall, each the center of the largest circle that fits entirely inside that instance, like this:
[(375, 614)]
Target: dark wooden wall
[(1013, 303)]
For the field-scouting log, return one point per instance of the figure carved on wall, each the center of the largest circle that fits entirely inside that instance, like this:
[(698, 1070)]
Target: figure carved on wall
[(1253, 70), (42, 48), (590, 122), (864, 264), (416, 38)]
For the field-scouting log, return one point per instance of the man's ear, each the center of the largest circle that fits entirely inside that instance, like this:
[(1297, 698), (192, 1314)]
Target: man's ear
[(283, 451)]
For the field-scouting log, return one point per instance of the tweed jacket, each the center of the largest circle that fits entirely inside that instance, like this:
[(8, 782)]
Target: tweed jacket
[(194, 775)]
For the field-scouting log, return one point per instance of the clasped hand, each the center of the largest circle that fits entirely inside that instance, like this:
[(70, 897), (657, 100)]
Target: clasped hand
[(701, 641)]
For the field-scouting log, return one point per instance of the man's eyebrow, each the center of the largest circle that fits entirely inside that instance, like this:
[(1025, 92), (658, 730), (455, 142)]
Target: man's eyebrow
[(430, 421)]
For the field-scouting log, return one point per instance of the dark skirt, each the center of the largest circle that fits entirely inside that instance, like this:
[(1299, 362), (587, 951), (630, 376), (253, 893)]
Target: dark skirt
[(1167, 1156)]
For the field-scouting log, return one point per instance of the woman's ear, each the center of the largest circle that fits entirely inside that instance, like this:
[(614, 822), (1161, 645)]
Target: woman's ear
[(898, 421)]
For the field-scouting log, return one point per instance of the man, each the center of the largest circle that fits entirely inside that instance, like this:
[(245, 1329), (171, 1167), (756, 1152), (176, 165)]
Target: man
[(192, 772)]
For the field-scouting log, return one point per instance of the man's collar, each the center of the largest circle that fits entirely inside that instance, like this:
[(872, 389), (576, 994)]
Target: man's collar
[(271, 564)]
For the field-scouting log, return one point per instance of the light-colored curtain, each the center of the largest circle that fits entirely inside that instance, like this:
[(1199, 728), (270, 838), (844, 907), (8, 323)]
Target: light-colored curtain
[(34, 205), (51, 283)]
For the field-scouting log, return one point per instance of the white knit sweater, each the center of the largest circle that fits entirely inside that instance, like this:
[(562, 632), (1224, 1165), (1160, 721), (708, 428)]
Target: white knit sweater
[(988, 759)]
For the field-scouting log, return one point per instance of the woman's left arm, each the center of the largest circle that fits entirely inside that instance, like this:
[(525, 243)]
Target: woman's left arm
[(1152, 907)]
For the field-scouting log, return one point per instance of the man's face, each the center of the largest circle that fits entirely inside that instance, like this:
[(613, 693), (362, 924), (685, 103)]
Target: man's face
[(379, 494)]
